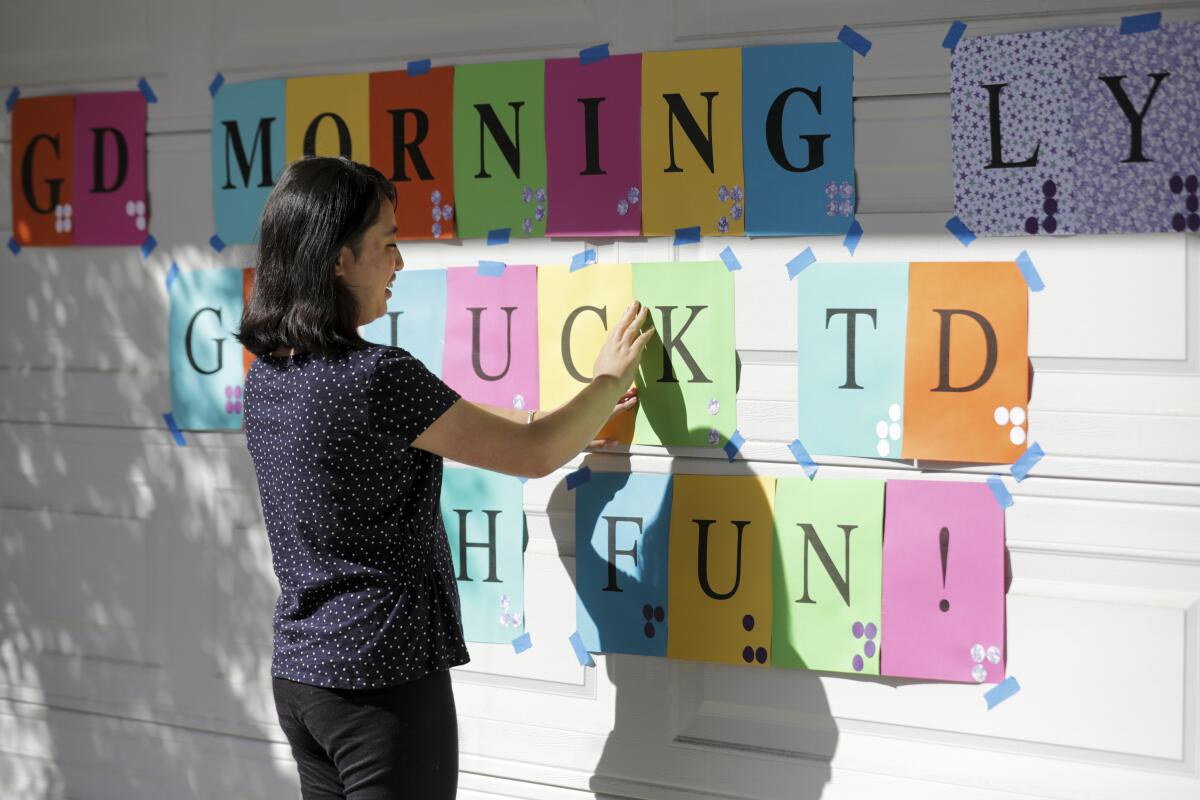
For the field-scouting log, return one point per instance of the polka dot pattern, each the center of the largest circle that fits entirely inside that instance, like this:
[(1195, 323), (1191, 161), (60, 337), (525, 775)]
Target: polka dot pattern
[(367, 591)]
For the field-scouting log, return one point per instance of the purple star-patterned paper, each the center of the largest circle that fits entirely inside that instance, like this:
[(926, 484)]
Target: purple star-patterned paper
[(1035, 116), (1132, 189)]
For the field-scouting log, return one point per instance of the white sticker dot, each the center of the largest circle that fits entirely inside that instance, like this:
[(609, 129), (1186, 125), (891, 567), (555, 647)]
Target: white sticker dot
[(130, 208), (67, 209), (67, 224), (1017, 435), (1001, 415), (993, 654), (883, 448), (979, 673), (58, 211), (894, 432), (140, 208), (1017, 415), (977, 653), (58, 226), (140, 223), (881, 429), (894, 412)]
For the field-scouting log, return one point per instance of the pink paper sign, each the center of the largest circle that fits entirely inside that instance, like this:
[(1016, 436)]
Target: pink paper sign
[(110, 206), (491, 351), (943, 582), (593, 146)]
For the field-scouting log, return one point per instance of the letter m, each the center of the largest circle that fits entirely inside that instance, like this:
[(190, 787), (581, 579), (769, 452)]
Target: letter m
[(233, 140)]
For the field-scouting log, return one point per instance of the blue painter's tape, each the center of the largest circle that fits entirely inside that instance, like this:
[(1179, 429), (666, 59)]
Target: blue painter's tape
[(1141, 23), (217, 82), (1001, 692), (172, 274), (854, 40), (217, 242), (169, 418), (853, 237), (797, 264), (803, 458), (148, 245), (522, 643), (1021, 467), (581, 475), (1003, 497), (687, 235), (498, 236), (12, 99), (14, 245), (147, 92), (590, 55), (1029, 272), (419, 67), (522, 479), (731, 261), (582, 259), (581, 653), (734, 445), (960, 230), (492, 269), (957, 29)]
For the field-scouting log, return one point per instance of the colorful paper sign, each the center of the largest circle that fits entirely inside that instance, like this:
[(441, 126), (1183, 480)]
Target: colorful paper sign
[(798, 133), (719, 580), (412, 143), (491, 352), (828, 570), (967, 368), (687, 381), (593, 146), (851, 322), (415, 318), (205, 358), (328, 115), (247, 155), (622, 523), (109, 189), (500, 148), (943, 582), (43, 154), (484, 518), (692, 142)]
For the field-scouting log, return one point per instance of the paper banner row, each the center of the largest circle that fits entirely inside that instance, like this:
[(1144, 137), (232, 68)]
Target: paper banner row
[(79, 170), (1078, 130), (899, 578), (755, 140), (922, 360)]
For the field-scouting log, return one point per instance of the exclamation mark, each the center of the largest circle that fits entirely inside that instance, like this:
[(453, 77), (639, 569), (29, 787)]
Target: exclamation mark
[(944, 546)]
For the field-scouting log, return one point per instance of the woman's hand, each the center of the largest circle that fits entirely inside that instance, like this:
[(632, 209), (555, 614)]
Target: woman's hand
[(626, 404), (621, 352)]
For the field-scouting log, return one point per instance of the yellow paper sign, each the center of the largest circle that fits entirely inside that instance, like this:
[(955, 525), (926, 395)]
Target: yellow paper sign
[(719, 578), (692, 142), (328, 116)]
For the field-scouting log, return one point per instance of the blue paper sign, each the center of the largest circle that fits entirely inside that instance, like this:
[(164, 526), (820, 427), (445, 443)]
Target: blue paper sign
[(415, 318), (247, 154), (206, 361)]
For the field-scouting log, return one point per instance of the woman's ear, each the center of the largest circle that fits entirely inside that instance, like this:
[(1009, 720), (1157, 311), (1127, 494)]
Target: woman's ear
[(339, 267)]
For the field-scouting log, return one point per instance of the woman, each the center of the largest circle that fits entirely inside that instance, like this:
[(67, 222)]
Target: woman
[(347, 440)]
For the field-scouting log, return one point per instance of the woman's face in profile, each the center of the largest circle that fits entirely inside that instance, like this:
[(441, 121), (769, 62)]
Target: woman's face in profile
[(369, 275)]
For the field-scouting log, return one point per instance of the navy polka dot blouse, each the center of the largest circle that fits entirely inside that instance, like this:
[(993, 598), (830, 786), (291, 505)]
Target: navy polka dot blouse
[(367, 591)]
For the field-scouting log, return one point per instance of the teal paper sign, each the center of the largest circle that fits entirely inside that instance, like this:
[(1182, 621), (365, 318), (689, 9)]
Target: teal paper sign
[(205, 359), (247, 155), (416, 317), (485, 522)]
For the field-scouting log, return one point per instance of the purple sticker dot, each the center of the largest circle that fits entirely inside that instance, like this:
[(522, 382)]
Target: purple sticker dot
[(1176, 184), (1031, 225), (229, 391), (857, 630), (649, 630), (858, 663), (1193, 221), (1049, 189), (1192, 203), (748, 622), (1050, 206), (748, 654), (871, 630), (647, 611), (1179, 222), (237, 391), (760, 655), (869, 649), (659, 614), (228, 406), (1192, 183), (1050, 224)]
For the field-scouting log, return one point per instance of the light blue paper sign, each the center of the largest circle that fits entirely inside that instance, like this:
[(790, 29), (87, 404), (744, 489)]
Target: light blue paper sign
[(205, 359), (247, 154), (622, 522), (852, 321), (798, 139), (485, 523), (416, 317)]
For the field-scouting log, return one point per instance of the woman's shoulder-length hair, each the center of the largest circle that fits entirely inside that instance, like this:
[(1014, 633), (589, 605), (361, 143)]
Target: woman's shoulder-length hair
[(319, 205)]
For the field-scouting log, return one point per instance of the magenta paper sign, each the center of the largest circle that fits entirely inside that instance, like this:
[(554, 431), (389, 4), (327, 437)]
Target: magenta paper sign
[(943, 582), (593, 146), (491, 354), (109, 183)]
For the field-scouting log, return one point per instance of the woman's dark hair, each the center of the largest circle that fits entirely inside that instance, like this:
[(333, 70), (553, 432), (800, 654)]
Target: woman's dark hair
[(318, 206)]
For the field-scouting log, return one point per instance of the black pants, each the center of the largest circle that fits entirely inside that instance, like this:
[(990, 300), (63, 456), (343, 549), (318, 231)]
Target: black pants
[(372, 744)]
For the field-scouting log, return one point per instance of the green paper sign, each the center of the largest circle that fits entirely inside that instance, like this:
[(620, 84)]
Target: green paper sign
[(500, 148), (828, 573), (687, 381)]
